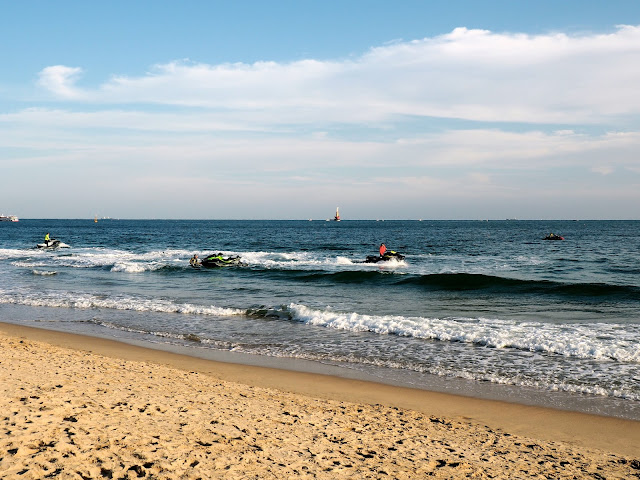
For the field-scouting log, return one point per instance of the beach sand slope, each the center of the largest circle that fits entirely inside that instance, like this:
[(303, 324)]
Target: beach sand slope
[(70, 414)]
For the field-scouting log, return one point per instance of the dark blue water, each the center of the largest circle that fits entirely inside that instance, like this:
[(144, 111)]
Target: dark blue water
[(479, 308)]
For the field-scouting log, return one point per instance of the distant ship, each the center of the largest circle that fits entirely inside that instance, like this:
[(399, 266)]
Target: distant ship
[(337, 217), (8, 218)]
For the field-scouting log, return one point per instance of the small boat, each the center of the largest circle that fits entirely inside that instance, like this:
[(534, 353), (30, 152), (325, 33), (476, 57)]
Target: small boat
[(8, 218), (337, 217), (553, 236)]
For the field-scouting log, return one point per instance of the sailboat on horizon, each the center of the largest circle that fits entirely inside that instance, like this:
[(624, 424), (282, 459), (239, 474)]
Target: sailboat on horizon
[(337, 217)]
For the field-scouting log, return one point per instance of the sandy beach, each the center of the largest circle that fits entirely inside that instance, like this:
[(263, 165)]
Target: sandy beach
[(80, 407)]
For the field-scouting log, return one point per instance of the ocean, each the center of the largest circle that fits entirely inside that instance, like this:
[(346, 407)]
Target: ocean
[(481, 308)]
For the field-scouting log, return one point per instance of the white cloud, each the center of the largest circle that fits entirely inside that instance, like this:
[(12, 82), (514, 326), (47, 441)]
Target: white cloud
[(60, 80), (466, 74)]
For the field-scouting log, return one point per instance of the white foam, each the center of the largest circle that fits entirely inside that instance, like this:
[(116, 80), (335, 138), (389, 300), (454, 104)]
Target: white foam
[(541, 383), (132, 267), (44, 273), (9, 253), (302, 261), (139, 304), (587, 341), (344, 261), (122, 261), (113, 260)]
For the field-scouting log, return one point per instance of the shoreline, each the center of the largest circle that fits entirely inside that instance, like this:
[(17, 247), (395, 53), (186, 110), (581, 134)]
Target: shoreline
[(608, 434), (510, 394)]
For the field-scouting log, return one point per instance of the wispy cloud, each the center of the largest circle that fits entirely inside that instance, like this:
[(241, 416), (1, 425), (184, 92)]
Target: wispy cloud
[(198, 139)]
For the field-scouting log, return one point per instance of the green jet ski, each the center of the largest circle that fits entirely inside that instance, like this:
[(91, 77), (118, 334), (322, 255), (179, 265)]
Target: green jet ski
[(218, 260)]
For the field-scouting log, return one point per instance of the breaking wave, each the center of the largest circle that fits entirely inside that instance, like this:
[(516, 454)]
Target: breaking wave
[(599, 342)]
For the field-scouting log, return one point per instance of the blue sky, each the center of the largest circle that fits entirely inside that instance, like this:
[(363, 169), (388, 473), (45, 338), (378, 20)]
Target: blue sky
[(408, 109)]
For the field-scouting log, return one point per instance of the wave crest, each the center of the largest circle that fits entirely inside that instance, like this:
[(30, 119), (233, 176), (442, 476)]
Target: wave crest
[(138, 304)]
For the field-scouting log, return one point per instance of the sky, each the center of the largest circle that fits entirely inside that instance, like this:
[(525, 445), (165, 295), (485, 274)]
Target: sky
[(288, 109)]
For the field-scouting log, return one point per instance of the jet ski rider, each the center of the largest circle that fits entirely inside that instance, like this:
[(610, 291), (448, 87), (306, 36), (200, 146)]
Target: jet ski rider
[(383, 249), (194, 262), (47, 239)]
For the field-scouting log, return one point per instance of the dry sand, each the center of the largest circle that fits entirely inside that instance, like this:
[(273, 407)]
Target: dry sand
[(79, 407)]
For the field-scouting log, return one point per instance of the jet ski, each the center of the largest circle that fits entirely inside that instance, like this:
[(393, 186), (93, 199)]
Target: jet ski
[(390, 255), (218, 260), (52, 244), (553, 236)]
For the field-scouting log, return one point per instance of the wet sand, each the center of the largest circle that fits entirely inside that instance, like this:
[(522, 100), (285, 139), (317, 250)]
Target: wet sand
[(73, 406)]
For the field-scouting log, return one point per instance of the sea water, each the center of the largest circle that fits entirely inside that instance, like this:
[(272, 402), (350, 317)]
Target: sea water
[(480, 308)]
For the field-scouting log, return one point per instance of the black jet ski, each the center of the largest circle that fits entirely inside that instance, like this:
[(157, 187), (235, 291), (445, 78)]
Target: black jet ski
[(52, 244), (553, 236), (384, 258), (218, 260)]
